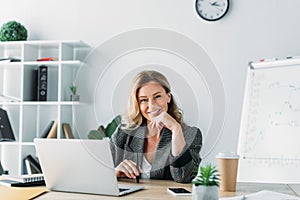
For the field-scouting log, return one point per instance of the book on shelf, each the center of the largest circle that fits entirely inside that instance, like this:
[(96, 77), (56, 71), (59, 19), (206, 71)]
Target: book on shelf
[(38, 80), (9, 59), (42, 83), (53, 131), (1, 169), (32, 165), (6, 131), (47, 59), (47, 130), (32, 80), (67, 131), (30, 169), (23, 180)]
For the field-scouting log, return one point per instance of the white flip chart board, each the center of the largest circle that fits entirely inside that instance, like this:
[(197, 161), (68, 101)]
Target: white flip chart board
[(269, 143)]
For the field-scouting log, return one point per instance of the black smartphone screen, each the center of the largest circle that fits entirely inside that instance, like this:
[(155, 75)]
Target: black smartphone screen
[(179, 191)]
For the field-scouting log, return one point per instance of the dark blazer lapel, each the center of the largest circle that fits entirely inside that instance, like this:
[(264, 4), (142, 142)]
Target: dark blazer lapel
[(135, 145), (137, 142)]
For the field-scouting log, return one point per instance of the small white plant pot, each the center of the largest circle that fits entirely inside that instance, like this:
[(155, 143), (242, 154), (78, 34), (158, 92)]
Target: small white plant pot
[(205, 192), (75, 97)]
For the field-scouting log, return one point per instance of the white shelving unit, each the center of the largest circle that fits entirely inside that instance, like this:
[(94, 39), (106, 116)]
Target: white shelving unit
[(30, 118)]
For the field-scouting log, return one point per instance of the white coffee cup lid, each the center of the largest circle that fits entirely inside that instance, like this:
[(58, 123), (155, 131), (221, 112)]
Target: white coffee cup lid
[(228, 155)]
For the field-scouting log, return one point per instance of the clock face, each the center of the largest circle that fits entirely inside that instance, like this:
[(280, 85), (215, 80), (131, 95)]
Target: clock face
[(212, 10)]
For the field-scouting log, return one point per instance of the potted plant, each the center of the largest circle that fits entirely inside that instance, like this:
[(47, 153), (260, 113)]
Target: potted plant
[(102, 132), (13, 31), (206, 183), (74, 96)]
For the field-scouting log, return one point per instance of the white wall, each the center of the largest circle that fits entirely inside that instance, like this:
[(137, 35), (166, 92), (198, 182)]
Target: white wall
[(252, 29)]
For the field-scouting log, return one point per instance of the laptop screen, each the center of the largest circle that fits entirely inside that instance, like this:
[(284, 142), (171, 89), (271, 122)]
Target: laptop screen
[(74, 165)]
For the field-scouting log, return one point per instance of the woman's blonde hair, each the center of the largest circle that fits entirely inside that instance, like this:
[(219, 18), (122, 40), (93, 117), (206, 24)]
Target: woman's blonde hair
[(134, 117)]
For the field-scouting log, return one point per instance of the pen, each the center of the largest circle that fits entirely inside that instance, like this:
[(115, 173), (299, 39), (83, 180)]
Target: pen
[(137, 165)]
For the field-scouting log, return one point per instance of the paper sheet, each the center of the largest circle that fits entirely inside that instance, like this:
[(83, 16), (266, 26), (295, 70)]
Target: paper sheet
[(263, 195)]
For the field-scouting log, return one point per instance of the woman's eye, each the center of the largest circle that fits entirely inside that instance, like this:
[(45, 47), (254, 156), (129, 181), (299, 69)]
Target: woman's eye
[(157, 96), (143, 100)]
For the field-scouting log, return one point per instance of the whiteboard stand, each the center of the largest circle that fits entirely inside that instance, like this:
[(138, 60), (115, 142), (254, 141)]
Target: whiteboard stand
[(269, 140)]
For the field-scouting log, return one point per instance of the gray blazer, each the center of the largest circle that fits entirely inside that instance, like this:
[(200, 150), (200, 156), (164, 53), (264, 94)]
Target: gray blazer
[(130, 145)]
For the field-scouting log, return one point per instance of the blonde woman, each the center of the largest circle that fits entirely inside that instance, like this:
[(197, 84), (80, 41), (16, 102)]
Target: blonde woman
[(153, 141)]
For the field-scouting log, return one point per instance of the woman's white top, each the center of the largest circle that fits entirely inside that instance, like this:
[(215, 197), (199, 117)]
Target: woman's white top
[(146, 167)]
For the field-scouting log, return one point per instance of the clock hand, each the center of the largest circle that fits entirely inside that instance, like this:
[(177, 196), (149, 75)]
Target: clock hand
[(215, 4), (219, 9)]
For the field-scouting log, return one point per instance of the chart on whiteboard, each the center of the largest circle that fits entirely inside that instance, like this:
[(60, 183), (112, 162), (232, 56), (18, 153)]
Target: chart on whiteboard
[(269, 143)]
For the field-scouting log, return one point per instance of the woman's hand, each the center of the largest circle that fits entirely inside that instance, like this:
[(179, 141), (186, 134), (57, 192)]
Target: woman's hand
[(128, 168), (166, 120)]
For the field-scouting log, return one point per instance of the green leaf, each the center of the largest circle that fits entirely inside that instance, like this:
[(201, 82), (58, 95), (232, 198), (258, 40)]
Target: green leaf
[(105, 132), (207, 175), (93, 134), (112, 126), (73, 89)]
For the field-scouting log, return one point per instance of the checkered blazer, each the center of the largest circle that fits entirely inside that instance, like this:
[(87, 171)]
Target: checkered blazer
[(130, 145)]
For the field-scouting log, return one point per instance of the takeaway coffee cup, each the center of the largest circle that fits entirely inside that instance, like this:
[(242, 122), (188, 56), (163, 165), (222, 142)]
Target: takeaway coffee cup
[(228, 167)]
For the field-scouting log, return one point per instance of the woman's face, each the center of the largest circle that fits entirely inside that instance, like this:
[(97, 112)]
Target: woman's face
[(153, 100)]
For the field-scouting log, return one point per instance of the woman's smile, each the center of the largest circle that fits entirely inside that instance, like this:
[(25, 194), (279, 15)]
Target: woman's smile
[(154, 113)]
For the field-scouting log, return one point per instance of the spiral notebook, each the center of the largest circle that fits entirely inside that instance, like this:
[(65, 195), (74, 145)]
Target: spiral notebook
[(23, 180)]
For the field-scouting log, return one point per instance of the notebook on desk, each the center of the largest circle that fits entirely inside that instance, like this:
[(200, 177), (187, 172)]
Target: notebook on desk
[(83, 166)]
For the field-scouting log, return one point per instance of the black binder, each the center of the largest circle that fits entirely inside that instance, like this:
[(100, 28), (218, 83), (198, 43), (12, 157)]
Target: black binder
[(6, 132), (47, 130), (1, 169), (42, 83), (33, 166)]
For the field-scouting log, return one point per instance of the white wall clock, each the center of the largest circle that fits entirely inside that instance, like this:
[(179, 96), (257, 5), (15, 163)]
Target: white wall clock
[(212, 10)]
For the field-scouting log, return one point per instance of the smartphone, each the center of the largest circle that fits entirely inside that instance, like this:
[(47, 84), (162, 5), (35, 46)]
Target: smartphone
[(179, 191)]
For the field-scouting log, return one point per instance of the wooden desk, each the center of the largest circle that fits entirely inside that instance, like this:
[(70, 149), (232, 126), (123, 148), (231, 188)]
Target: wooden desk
[(154, 189), (20, 193)]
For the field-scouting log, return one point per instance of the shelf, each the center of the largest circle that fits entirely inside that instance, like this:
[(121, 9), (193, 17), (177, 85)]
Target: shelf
[(63, 62), (17, 143), (27, 143), (9, 143), (4, 65), (50, 63), (45, 103), (29, 118), (41, 103), (10, 103), (4, 100), (45, 43), (70, 103)]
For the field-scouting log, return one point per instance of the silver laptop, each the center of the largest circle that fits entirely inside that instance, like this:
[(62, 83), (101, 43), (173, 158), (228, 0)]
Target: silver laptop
[(83, 166)]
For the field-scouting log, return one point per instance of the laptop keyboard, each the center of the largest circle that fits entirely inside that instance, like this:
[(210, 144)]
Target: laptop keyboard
[(122, 189)]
